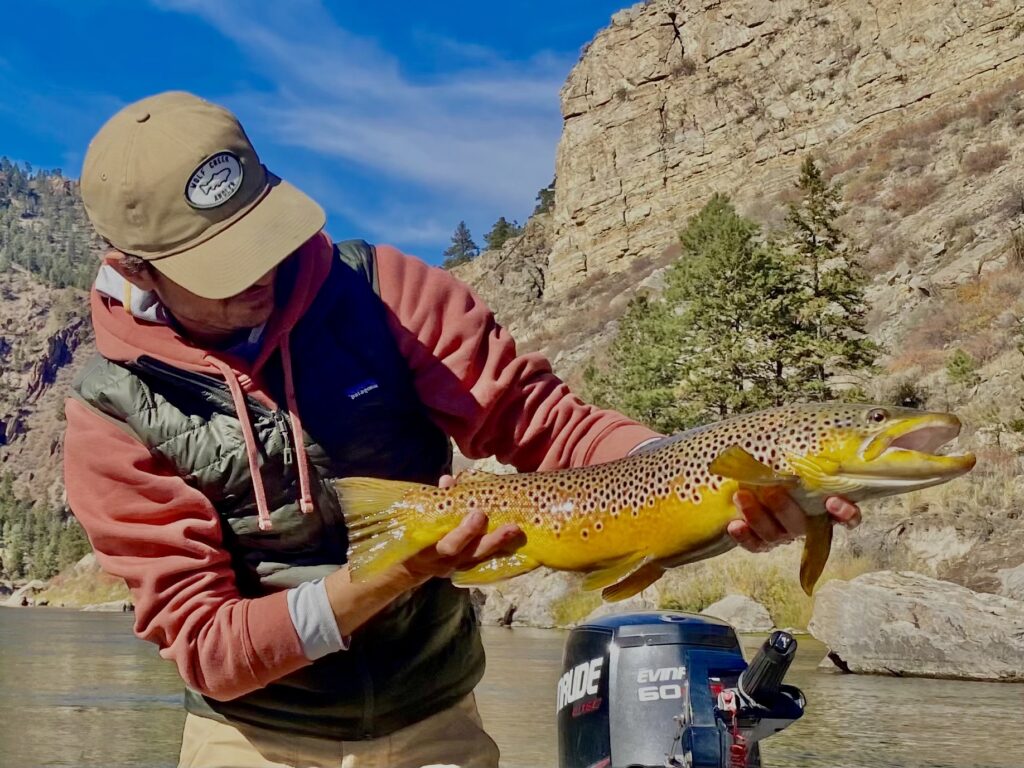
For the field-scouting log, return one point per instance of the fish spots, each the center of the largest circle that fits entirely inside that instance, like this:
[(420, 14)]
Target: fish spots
[(598, 526), (584, 534)]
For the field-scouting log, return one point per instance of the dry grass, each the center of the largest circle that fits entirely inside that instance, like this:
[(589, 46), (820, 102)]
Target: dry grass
[(913, 196), (574, 607), (989, 488), (770, 579), (89, 589), (985, 159), (966, 317)]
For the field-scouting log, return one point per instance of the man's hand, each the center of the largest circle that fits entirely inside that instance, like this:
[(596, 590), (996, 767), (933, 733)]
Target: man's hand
[(467, 545), (779, 520)]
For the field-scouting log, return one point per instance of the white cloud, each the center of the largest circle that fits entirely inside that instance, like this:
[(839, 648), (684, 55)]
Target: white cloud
[(475, 142)]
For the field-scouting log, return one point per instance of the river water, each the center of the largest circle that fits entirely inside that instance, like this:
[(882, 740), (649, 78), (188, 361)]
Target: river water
[(77, 689)]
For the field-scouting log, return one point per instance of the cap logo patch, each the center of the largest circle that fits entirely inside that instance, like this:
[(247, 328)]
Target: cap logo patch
[(215, 181)]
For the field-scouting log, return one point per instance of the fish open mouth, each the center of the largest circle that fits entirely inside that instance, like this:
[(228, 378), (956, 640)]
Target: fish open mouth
[(927, 438), (916, 448)]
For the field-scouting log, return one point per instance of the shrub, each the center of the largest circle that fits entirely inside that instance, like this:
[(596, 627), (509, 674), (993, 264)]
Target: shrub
[(985, 159), (912, 197)]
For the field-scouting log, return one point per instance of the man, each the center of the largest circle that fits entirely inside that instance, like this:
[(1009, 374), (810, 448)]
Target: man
[(245, 360)]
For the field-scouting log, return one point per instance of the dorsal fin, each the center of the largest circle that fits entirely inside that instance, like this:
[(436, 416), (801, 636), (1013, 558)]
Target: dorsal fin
[(474, 476)]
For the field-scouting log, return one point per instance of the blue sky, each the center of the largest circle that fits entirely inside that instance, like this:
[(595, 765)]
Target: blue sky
[(399, 118)]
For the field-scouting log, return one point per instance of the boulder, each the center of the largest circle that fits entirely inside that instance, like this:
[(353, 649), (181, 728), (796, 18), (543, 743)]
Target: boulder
[(24, 595), (745, 614), (1011, 582), (901, 623), (530, 600), (641, 602), (114, 606)]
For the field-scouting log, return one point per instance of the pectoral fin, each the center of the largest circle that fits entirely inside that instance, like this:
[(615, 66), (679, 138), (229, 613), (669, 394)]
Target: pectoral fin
[(498, 569), (821, 474), (636, 582), (817, 546), (737, 464), (614, 572)]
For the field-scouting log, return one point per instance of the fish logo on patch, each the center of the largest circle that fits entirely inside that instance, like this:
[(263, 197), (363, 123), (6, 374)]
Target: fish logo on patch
[(361, 389), (215, 181)]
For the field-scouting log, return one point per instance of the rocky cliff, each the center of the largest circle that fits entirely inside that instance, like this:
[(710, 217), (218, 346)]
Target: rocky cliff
[(915, 108)]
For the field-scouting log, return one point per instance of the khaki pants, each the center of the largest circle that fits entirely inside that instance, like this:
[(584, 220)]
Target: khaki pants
[(454, 738)]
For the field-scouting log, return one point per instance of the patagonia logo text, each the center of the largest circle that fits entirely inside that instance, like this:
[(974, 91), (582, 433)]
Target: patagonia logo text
[(361, 389)]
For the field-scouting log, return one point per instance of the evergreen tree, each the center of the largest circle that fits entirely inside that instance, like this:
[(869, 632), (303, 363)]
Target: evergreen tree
[(43, 227), (836, 310), (502, 231), (739, 304), (462, 249), (962, 369), (642, 374), (545, 199), (73, 544), (724, 340)]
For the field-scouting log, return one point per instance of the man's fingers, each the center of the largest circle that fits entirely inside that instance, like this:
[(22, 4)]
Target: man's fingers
[(503, 540), (786, 512), (446, 481), (455, 541), (759, 518), (842, 511), (745, 537)]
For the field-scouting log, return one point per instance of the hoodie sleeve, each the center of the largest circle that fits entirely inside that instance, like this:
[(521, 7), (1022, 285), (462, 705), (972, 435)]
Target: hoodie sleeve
[(163, 538), (489, 398)]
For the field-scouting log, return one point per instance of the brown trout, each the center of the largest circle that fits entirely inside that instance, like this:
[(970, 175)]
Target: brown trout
[(623, 523)]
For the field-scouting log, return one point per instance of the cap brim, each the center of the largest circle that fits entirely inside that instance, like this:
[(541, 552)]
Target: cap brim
[(235, 258)]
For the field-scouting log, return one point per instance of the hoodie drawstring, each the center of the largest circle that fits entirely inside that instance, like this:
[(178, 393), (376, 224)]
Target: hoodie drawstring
[(252, 452), (242, 410), (306, 494)]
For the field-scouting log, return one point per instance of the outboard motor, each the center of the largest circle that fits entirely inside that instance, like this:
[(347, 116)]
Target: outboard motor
[(650, 690)]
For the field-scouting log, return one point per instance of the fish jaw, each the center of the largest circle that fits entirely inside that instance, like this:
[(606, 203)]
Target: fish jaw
[(898, 457)]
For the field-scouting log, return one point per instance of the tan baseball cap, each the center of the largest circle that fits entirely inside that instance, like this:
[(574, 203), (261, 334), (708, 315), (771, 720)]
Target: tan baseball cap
[(174, 180)]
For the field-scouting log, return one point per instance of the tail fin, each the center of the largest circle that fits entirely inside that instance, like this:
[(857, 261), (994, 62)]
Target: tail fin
[(382, 532)]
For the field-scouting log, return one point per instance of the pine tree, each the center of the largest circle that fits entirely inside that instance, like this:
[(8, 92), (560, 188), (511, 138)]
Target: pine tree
[(502, 231), (739, 303), (962, 369), (641, 376), (725, 339), (837, 309), (462, 249), (545, 199)]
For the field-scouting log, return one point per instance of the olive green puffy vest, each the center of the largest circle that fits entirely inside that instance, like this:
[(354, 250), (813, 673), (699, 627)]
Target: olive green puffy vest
[(361, 416)]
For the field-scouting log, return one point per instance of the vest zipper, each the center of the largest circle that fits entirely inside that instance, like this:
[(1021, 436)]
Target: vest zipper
[(283, 427), (208, 385), (218, 391)]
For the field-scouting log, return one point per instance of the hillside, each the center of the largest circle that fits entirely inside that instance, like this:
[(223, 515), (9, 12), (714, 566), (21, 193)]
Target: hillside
[(915, 109), (47, 254)]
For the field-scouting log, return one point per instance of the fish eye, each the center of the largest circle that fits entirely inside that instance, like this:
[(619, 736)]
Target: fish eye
[(878, 415)]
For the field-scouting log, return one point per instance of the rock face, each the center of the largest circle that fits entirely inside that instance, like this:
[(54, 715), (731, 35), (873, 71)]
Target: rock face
[(1011, 582), (44, 339), (25, 595), (744, 614), (901, 623), (678, 99), (531, 600)]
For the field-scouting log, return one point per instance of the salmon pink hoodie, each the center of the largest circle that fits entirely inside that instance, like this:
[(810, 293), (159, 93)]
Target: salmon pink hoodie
[(164, 538)]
